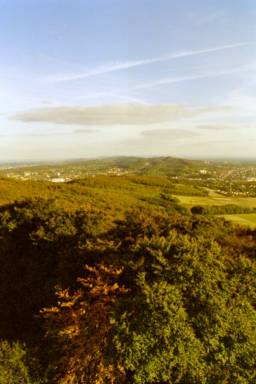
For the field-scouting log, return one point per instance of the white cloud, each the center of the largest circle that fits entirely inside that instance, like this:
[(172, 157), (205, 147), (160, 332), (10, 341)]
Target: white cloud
[(84, 130), (241, 99), (220, 126), (168, 134), (117, 114)]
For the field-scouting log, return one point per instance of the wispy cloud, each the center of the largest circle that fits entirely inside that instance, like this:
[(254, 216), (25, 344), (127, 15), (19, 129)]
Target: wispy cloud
[(159, 142), (225, 126), (168, 134), (84, 131), (106, 115), (243, 98), (196, 76), (218, 126), (118, 66)]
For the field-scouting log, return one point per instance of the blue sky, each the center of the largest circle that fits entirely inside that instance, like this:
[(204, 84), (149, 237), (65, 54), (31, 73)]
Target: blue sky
[(89, 78)]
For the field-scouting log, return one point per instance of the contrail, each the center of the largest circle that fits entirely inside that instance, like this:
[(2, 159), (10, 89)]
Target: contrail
[(118, 66), (179, 79)]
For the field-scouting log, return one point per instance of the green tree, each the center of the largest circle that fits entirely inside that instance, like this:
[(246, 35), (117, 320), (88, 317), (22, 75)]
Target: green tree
[(186, 318), (13, 364)]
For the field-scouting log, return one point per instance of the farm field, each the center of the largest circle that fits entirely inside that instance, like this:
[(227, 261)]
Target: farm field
[(242, 219), (190, 201), (247, 219)]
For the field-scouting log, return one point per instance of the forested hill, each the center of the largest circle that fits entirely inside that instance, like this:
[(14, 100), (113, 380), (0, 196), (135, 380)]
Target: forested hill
[(103, 191), (113, 280), (226, 177), (161, 166)]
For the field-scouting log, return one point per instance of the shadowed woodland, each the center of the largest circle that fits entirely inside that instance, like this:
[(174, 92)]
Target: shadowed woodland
[(150, 294)]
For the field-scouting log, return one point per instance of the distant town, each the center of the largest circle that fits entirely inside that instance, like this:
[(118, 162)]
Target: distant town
[(224, 177)]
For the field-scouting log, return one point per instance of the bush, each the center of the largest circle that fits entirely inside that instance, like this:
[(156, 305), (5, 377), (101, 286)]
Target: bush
[(13, 366), (228, 209), (186, 318)]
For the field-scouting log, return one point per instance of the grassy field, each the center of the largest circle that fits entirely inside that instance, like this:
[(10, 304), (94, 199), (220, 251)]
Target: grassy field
[(248, 219), (243, 219), (190, 201)]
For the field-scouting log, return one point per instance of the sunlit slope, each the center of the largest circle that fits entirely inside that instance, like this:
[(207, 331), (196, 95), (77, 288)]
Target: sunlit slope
[(117, 194), (243, 219), (216, 199)]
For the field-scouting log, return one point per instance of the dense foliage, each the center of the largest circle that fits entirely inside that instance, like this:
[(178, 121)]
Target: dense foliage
[(106, 293), (14, 365), (227, 209)]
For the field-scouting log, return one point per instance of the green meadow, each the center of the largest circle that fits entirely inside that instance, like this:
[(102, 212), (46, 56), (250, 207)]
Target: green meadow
[(248, 219), (190, 201)]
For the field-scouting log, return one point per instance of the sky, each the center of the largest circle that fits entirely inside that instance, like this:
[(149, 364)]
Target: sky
[(89, 78)]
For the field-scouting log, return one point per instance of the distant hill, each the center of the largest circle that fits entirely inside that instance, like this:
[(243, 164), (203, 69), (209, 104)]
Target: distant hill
[(223, 177), (161, 166)]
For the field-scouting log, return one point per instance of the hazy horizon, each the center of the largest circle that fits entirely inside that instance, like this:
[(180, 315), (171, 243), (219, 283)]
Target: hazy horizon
[(35, 162), (92, 79)]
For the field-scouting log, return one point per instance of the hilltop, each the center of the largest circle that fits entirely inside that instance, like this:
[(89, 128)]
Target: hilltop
[(161, 166)]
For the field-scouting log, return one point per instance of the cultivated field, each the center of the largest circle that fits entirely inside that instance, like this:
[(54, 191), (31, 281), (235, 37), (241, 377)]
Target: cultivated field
[(243, 219), (190, 201), (248, 219)]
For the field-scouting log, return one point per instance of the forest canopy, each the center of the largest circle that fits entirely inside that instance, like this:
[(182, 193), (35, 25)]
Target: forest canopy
[(118, 294)]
